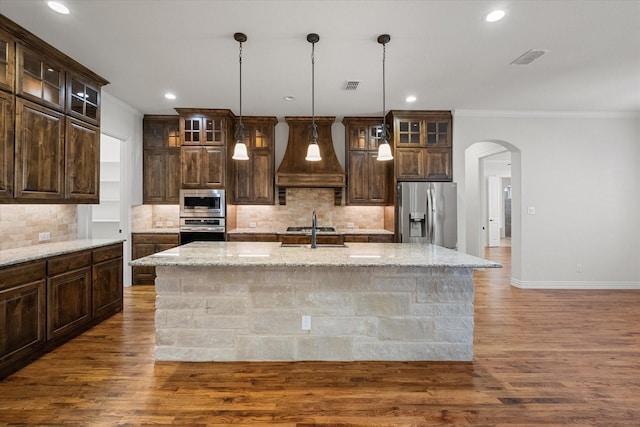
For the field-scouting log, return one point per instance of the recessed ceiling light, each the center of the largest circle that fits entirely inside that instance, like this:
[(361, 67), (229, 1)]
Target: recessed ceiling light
[(494, 16), (410, 98), (170, 96), (58, 7), (289, 98)]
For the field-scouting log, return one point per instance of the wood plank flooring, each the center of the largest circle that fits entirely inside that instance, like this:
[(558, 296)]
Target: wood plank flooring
[(541, 358)]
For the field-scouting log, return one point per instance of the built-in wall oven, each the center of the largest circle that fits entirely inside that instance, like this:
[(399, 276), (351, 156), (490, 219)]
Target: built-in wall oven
[(202, 215)]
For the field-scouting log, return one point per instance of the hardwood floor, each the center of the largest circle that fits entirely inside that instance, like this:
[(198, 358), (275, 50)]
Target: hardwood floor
[(541, 358)]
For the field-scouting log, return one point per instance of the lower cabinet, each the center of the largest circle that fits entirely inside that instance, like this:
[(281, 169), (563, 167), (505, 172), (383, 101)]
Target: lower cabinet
[(368, 238), (252, 237), (145, 244), (47, 302)]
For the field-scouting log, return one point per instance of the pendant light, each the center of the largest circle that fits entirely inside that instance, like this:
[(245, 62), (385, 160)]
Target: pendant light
[(240, 149), (313, 150), (384, 149)]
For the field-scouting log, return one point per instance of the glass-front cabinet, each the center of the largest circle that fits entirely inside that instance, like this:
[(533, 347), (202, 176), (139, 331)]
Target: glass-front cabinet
[(83, 99), (7, 61), (39, 78)]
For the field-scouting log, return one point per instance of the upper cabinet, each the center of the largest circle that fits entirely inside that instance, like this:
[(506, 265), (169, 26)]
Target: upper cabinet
[(40, 78), (53, 103), (7, 61), (161, 159), (253, 180), (203, 136), (422, 141), (369, 181)]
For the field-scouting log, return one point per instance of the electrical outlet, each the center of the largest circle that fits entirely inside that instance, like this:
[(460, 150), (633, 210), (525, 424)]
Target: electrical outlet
[(531, 210), (159, 224), (44, 236), (349, 225), (169, 223), (252, 225), (306, 323), (578, 268)]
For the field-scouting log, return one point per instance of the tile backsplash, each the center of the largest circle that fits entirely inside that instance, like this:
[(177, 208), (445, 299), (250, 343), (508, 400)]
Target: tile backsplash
[(301, 202), (20, 225)]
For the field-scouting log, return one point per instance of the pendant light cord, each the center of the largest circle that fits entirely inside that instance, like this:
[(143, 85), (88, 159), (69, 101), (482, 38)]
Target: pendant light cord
[(240, 63), (314, 129), (385, 132)]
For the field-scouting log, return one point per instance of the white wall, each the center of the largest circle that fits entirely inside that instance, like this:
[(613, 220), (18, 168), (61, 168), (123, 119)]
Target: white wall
[(124, 122), (580, 172)]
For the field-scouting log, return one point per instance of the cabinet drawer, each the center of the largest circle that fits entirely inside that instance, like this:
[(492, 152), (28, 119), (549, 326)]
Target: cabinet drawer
[(361, 238), (22, 273), (107, 252), (172, 238), (64, 263)]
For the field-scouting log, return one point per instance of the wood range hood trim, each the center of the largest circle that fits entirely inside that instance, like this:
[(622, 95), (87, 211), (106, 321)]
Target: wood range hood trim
[(295, 171)]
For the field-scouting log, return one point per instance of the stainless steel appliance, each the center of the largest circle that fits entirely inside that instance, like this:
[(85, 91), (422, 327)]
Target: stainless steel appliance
[(202, 203), (426, 212), (202, 215)]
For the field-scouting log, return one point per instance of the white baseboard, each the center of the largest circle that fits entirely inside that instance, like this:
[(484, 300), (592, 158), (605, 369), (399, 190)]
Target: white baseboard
[(525, 284)]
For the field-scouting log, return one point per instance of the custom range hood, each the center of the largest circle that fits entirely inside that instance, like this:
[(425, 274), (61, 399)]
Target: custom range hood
[(295, 171)]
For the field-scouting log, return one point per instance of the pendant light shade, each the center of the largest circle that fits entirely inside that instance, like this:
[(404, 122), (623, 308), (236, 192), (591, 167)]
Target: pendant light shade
[(313, 151), (384, 149), (240, 149)]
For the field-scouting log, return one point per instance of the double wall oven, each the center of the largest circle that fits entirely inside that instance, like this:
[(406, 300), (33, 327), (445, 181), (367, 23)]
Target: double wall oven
[(202, 215)]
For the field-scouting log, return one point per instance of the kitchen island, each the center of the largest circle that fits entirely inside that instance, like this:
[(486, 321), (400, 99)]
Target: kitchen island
[(261, 301)]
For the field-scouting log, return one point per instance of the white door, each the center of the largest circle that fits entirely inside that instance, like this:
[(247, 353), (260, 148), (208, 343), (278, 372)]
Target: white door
[(494, 210)]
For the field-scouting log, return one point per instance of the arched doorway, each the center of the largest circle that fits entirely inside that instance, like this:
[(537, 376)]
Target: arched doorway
[(475, 196)]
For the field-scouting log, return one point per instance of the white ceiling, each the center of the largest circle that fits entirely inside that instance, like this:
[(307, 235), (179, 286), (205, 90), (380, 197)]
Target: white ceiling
[(441, 51)]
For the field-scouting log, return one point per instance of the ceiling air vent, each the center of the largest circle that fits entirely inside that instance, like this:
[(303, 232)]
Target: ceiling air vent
[(351, 85), (529, 56)]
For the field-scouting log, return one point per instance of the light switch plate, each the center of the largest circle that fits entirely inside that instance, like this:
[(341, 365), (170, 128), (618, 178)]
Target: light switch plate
[(531, 210)]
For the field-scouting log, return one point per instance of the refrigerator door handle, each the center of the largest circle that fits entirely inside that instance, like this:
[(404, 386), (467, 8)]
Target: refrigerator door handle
[(431, 213)]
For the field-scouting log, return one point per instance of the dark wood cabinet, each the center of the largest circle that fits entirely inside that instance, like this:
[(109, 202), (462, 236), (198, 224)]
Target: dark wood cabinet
[(368, 238), (47, 302), (161, 160), (82, 161), (145, 244), (83, 99), (22, 313), (7, 142), (68, 294), (7, 61), (39, 152), (253, 180), (369, 181), (106, 281), (203, 136), (39, 78), (56, 143), (423, 145), (252, 237)]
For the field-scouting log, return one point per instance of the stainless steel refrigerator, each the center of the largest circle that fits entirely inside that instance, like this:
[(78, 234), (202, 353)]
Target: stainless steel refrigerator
[(426, 212)]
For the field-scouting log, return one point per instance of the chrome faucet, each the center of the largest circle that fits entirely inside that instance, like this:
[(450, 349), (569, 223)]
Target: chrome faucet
[(314, 227)]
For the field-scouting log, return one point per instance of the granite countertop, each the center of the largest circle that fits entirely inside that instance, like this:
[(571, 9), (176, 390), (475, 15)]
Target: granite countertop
[(350, 255), (46, 250), (284, 231)]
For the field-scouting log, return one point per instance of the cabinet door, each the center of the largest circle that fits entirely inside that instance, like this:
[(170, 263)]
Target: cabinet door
[(438, 164), (82, 162), (6, 145), (408, 132), (172, 177), (213, 132), (438, 131), (39, 78), (107, 288), (161, 132), (262, 176), (22, 311), (358, 171), (192, 161), (7, 61), (39, 166), (69, 302), (83, 99), (213, 167), (377, 179), (410, 163)]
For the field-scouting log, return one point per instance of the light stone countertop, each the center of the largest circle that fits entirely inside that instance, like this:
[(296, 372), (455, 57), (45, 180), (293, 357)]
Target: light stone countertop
[(265, 254), (46, 250)]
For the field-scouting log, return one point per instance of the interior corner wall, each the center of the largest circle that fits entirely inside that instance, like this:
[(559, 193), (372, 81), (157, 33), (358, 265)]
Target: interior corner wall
[(580, 173)]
